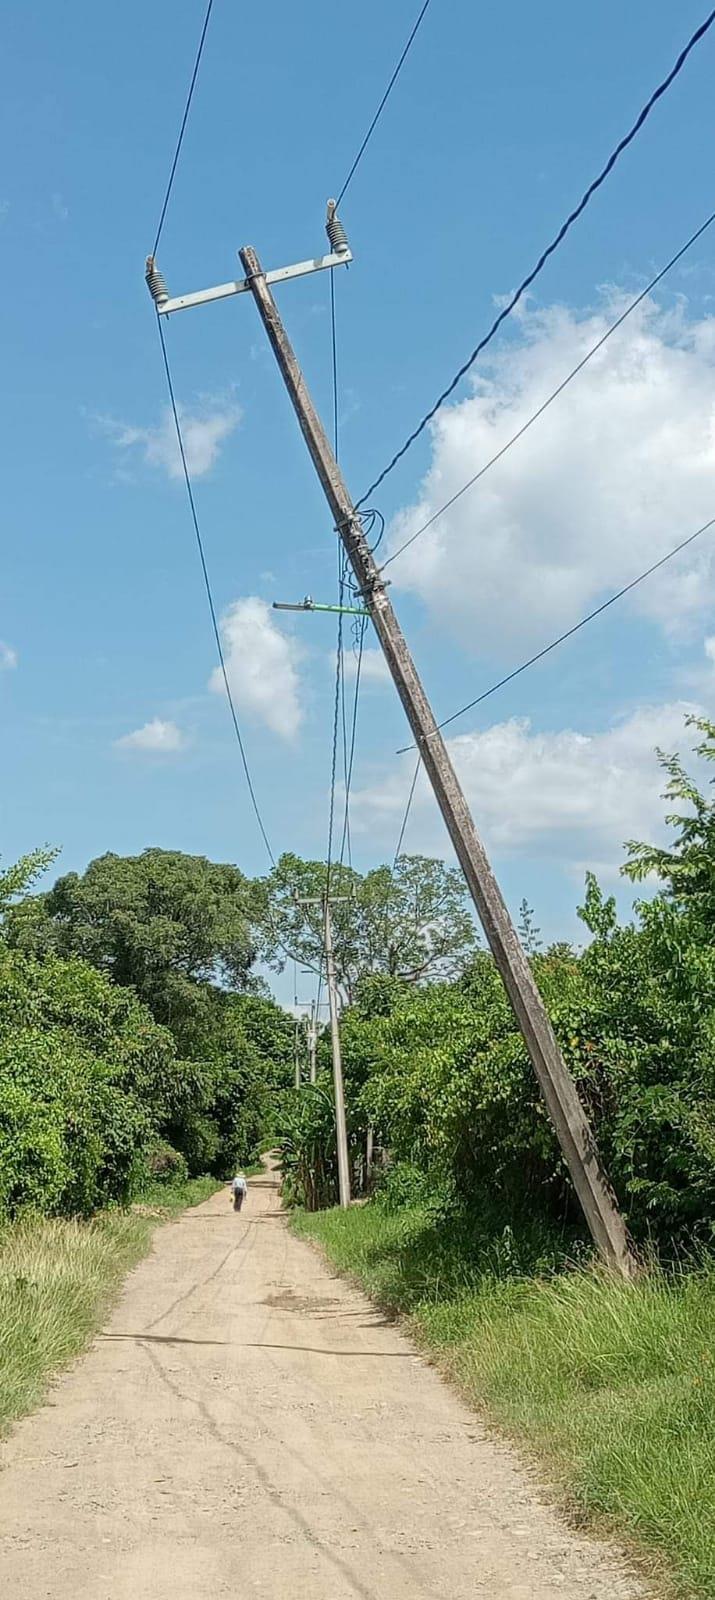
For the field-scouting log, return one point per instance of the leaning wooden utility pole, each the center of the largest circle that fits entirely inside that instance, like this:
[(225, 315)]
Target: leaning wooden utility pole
[(557, 1085), (558, 1088), (341, 1132)]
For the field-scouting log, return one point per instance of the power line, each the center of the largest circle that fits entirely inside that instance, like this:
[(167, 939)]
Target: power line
[(405, 819), (398, 848), (571, 631), (339, 691), (184, 120), (349, 756), (554, 395), (336, 718), (549, 251), (209, 594), (334, 361), (383, 103)]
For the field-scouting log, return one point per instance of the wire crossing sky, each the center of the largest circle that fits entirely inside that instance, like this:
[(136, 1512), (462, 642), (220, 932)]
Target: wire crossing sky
[(531, 277), (112, 699)]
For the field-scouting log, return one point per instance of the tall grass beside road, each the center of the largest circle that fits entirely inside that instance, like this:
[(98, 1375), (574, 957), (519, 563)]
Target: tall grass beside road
[(58, 1279), (611, 1385)]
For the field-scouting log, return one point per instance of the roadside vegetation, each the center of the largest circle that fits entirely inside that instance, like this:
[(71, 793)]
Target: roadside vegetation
[(58, 1279), (471, 1228), (612, 1386), (141, 1059), (140, 1063), (135, 1048)]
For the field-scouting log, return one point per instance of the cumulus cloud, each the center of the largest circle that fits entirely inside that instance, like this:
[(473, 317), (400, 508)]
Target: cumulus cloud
[(261, 665), (8, 657), (565, 794), (157, 736), (204, 431), (616, 471), (373, 668)]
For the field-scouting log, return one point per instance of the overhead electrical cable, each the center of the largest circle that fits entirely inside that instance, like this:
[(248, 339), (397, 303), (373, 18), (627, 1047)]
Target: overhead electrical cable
[(398, 850), (209, 595), (339, 691), (554, 394), (350, 750), (549, 251), (336, 724), (539, 656), (343, 583), (406, 816), (383, 102), (182, 129)]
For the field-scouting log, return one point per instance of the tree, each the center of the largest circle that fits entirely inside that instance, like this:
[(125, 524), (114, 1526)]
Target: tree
[(412, 923), (17, 880), (166, 924), (528, 931), (687, 869)]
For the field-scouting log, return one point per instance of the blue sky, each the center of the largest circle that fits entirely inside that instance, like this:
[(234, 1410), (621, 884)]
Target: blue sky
[(501, 117)]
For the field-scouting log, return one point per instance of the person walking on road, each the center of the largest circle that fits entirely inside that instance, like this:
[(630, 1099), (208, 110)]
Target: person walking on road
[(239, 1190)]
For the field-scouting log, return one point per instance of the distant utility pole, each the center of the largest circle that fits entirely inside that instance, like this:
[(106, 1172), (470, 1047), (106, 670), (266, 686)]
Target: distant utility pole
[(296, 1050), (558, 1088), (341, 1131), (313, 1042)]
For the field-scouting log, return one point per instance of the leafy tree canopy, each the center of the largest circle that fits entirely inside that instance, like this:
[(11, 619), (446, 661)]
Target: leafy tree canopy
[(161, 922), (687, 869), (413, 923), (18, 879)]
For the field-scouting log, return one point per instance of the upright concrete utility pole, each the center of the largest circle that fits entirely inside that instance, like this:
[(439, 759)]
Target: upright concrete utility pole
[(341, 1132), (313, 1042), (296, 1049), (558, 1088)]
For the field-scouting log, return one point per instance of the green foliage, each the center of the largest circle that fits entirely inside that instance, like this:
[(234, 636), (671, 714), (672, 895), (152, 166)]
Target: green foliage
[(613, 1383), (86, 1081), (412, 923), (23, 874), (96, 1092), (528, 931), (162, 923), (307, 1146), (57, 1280), (441, 1074)]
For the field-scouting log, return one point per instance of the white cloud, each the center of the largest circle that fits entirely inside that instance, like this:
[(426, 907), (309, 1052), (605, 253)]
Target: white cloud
[(60, 209), (618, 470), (261, 664), (373, 669), (203, 430), (566, 794), (8, 657), (157, 736)]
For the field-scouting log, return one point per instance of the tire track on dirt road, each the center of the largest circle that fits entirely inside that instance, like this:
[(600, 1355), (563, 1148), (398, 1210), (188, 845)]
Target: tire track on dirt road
[(213, 1443)]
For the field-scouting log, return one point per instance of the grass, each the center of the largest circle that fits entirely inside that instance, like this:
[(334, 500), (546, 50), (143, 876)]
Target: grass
[(612, 1386), (58, 1279)]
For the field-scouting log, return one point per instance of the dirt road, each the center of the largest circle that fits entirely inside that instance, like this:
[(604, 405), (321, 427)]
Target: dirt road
[(248, 1425)]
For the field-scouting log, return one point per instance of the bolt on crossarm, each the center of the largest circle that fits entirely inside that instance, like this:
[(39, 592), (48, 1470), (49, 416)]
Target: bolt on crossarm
[(559, 1090)]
